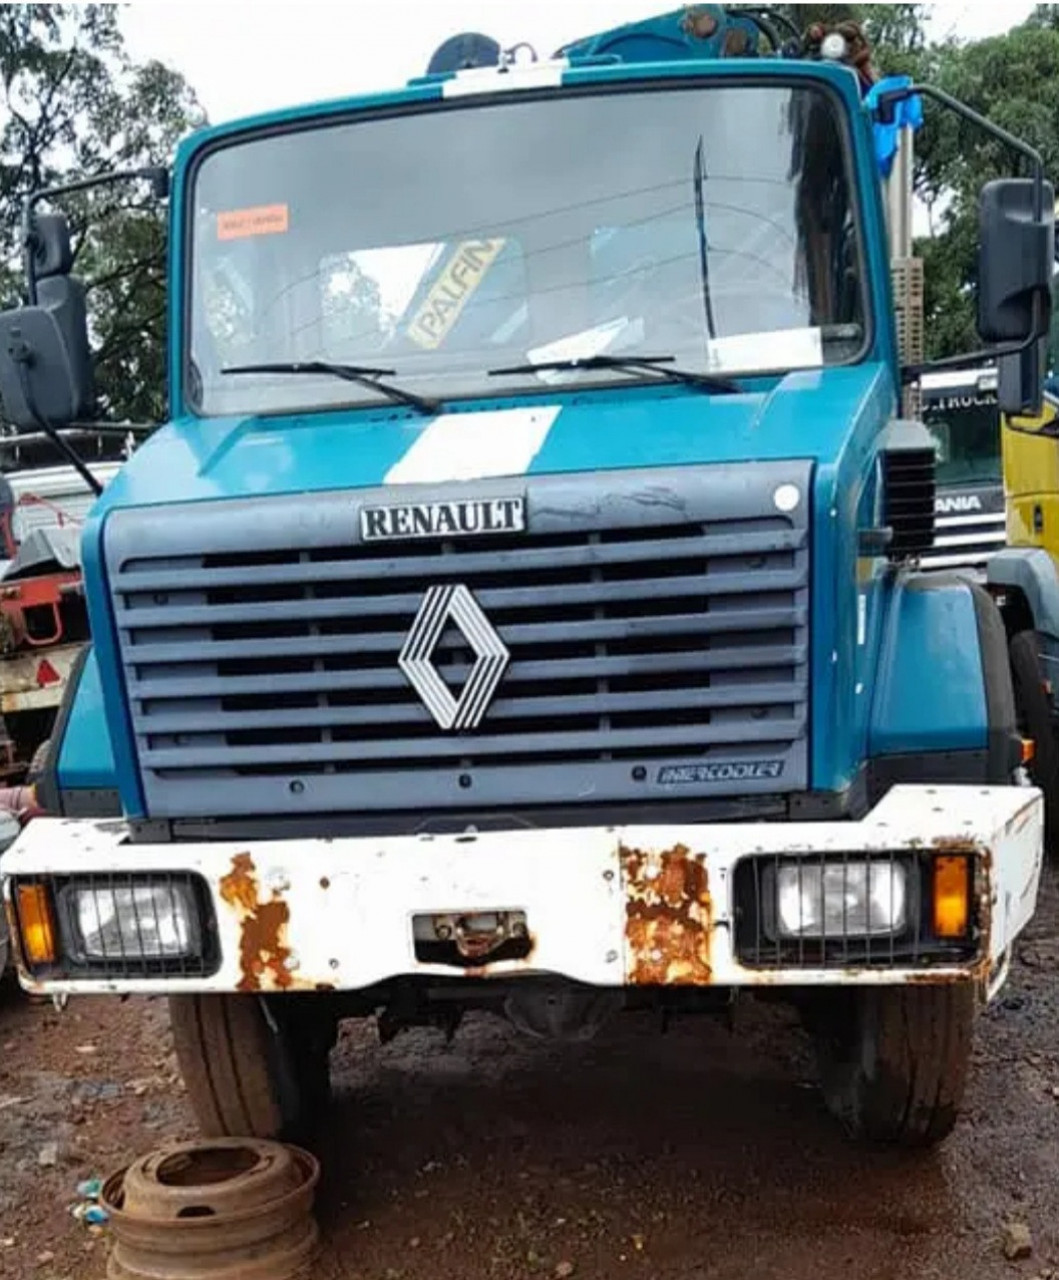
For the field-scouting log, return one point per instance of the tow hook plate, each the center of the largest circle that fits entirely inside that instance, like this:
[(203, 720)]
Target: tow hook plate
[(474, 936)]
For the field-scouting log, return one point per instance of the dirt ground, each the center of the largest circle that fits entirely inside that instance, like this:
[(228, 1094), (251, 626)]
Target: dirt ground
[(699, 1153)]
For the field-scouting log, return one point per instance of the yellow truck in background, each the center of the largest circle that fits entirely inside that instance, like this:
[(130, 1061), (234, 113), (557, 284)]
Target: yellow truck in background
[(1024, 576)]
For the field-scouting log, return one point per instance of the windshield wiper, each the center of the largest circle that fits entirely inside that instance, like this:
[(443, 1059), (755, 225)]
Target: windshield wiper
[(362, 375), (704, 243), (656, 364)]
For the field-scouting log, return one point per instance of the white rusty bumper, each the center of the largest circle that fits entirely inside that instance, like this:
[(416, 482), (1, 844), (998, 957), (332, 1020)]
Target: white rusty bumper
[(606, 906)]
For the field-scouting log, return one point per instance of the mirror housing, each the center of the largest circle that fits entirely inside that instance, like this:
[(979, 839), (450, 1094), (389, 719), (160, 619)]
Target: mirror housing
[(45, 362), (1020, 381), (49, 244), (158, 178), (1016, 251)]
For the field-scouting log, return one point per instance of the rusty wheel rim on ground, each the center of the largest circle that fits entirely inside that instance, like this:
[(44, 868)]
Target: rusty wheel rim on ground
[(217, 1207)]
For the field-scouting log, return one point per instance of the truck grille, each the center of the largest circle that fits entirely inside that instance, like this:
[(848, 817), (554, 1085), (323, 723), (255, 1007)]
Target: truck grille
[(967, 539), (653, 649)]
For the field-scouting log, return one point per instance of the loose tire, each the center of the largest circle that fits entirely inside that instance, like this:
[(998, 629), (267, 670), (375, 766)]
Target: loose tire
[(1034, 712), (250, 1074), (893, 1060)]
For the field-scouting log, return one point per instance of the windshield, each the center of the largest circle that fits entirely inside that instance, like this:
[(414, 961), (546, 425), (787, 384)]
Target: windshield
[(965, 425), (712, 224)]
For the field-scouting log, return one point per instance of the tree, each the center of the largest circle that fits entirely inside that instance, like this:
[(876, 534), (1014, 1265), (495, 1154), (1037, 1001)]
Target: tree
[(1044, 15), (897, 32), (1012, 80), (76, 106), (352, 313)]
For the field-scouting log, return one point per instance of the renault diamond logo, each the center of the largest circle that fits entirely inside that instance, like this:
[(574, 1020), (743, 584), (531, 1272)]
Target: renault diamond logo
[(455, 604)]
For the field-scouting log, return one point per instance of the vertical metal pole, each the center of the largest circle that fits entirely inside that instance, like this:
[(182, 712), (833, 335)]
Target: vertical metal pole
[(899, 198), (907, 272), (28, 251)]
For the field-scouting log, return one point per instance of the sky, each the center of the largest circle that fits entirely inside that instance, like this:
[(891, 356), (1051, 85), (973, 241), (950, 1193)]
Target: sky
[(242, 57)]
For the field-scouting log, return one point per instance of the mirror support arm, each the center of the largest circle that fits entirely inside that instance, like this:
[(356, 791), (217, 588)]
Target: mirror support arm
[(23, 356), (913, 372), (884, 111), (156, 175)]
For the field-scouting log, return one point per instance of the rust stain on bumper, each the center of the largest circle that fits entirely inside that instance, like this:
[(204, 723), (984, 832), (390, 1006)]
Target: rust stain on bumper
[(239, 887), (264, 953), (955, 844), (668, 917), (975, 975)]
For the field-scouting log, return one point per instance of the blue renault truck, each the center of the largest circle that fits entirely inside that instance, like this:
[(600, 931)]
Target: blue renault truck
[(521, 608)]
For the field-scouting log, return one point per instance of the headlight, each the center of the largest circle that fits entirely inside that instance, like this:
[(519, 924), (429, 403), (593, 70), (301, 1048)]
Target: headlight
[(836, 900), (133, 922)]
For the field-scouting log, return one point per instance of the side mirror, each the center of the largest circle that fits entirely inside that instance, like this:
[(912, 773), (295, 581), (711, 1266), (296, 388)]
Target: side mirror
[(158, 177), (45, 362), (1016, 251), (49, 244), (1020, 381)]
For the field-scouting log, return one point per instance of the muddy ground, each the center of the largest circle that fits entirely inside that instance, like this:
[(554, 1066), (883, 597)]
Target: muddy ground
[(698, 1153)]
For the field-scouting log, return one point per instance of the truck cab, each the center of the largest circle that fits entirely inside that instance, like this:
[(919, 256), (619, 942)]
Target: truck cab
[(521, 609), (962, 413), (43, 621)]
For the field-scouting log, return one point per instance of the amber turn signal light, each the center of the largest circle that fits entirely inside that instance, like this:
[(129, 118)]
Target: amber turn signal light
[(36, 925), (951, 896), (1029, 750)]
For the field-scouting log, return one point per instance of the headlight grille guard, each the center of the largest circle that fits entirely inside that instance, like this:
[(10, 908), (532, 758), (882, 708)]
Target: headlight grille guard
[(121, 962), (758, 943)]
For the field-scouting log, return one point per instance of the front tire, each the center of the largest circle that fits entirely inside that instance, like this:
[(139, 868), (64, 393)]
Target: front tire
[(252, 1072), (38, 761), (894, 1060)]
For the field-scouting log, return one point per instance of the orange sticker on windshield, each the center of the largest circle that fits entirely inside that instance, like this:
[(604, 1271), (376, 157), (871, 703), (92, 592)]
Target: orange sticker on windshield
[(263, 220)]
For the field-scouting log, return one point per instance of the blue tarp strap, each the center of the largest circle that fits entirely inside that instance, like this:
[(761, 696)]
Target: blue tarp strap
[(908, 113)]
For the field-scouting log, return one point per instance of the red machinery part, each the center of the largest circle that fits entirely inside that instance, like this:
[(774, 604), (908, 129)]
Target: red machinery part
[(46, 592)]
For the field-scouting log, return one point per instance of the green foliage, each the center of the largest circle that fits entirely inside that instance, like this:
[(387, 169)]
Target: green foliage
[(1013, 80), (896, 31), (1044, 15), (74, 105)]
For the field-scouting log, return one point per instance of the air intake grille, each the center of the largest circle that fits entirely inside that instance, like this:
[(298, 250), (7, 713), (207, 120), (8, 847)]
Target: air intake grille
[(908, 489), (658, 642)]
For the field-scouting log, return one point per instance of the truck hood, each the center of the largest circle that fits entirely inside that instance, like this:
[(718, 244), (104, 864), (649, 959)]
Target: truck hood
[(811, 414)]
